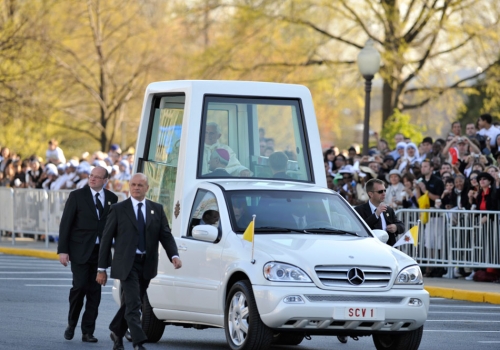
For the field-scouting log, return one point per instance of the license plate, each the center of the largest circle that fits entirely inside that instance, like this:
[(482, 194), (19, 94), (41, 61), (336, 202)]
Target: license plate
[(359, 313)]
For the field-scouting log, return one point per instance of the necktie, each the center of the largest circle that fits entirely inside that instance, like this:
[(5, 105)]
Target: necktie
[(378, 224), (98, 205), (141, 245)]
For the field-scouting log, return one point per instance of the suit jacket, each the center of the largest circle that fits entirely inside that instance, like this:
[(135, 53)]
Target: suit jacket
[(371, 220), (80, 225), (122, 226)]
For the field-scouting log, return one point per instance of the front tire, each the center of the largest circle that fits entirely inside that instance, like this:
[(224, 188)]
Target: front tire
[(151, 325), (408, 340), (242, 324)]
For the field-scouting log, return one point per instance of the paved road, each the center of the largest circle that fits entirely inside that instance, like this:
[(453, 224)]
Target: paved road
[(33, 309)]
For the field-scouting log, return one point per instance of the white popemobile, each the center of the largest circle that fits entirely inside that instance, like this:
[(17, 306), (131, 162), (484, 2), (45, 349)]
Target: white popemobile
[(314, 267)]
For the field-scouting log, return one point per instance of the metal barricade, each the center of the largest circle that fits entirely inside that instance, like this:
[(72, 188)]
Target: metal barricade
[(7, 211), (34, 211), (451, 238)]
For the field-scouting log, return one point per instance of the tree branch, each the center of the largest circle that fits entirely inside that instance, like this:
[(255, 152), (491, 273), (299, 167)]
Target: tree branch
[(322, 31), (440, 91)]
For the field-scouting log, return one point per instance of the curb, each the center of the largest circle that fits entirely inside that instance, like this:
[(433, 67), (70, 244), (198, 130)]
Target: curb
[(30, 252), (467, 295)]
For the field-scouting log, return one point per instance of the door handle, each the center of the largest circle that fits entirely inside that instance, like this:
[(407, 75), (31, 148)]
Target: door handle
[(181, 247)]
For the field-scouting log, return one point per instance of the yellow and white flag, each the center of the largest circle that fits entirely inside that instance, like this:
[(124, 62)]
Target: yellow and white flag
[(411, 236), (249, 232)]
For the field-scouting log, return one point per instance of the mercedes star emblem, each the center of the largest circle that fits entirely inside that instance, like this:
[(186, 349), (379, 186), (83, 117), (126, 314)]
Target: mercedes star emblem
[(355, 276)]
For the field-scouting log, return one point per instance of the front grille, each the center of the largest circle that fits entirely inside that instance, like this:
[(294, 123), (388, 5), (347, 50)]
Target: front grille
[(353, 299), (338, 276)]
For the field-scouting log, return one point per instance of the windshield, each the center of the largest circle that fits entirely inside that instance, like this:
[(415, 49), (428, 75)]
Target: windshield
[(258, 138), (291, 211)]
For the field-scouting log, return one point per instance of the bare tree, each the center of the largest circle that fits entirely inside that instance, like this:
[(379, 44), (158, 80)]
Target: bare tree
[(419, 41), (103, 64)]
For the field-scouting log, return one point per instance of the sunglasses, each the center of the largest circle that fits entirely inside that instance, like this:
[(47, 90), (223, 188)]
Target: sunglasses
[(379, 192)]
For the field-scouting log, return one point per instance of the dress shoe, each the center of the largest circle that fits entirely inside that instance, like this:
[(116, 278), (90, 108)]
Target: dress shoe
[(69, 333), (128, 336), (139, 347), (89, 338), (118, 342)]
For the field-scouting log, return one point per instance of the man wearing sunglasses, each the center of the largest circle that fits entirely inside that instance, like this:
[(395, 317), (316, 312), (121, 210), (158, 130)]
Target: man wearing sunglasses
[(377, 214)]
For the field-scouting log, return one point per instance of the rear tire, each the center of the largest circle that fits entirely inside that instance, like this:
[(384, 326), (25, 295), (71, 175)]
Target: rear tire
[(242, 324), (151, 325), (408, 340), (288, 339)]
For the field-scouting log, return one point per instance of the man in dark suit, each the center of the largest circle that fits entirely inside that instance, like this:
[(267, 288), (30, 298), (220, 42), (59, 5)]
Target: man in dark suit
[(278, 162), (138, 226), (80, 232), (377, 214)]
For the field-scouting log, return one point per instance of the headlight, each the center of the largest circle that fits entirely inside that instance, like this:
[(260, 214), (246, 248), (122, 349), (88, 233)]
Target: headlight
[(279, 272), (410, 275)]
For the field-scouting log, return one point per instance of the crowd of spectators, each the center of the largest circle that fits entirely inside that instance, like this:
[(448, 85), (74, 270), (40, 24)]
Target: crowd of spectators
[(458, 171), (55, 172)]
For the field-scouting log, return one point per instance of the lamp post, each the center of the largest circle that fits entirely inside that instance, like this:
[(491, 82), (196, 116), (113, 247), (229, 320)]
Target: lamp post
[(368, 65)]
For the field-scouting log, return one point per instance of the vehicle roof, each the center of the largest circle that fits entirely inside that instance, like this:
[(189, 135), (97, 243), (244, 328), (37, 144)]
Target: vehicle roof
[(229, 87), (270, 185)]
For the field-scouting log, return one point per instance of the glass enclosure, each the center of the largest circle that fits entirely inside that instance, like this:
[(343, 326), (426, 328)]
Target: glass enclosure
[(163, 154), (253, 137), (292, 210)]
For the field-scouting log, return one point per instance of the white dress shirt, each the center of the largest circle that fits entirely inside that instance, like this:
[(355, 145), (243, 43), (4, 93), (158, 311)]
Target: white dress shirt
[(374, 208)]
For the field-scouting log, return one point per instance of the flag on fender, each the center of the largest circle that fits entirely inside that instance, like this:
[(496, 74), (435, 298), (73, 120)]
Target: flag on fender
[(249, 232), (411, 236)]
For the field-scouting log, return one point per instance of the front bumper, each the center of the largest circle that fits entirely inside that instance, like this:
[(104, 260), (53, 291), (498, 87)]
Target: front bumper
[(323, 312)]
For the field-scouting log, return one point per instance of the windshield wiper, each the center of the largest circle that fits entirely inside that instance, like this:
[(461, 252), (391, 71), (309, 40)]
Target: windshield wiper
[(330, 230), (276, 229)]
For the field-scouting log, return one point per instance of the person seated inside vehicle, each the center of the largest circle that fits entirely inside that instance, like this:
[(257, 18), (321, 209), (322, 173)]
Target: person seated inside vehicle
[(218, 163), (240, 211), (299, 218), (211, 143), (278, 162), (210, 217)]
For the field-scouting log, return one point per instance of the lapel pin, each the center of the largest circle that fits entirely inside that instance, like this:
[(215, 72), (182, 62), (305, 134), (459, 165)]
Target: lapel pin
[(152, 212), (109, 203), (387, 214)]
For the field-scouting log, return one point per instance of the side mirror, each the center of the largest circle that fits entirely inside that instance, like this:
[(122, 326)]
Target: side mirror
[(206, 233), (381, 235)]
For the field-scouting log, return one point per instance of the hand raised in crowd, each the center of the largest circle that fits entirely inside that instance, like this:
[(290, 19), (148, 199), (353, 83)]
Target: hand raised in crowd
[(472, 194), (421, 186)]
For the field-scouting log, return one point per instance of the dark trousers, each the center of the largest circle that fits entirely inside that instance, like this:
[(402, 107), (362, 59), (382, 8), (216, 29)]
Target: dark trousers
[(85, 286), (129, 313), (392, 239)]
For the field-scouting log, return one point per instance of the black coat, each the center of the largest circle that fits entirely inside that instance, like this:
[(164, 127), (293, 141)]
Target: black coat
[(371, 220), (122, 226), (80, 225)]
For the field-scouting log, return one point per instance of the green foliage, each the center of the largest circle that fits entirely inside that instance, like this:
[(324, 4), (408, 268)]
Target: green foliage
[(400, 123), (483, 97)]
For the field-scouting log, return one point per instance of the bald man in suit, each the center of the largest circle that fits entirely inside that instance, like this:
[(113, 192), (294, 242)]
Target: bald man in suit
[(137, 225)]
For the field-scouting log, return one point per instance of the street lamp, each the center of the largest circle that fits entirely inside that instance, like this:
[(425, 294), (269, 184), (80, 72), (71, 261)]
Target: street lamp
[(368, 64)]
